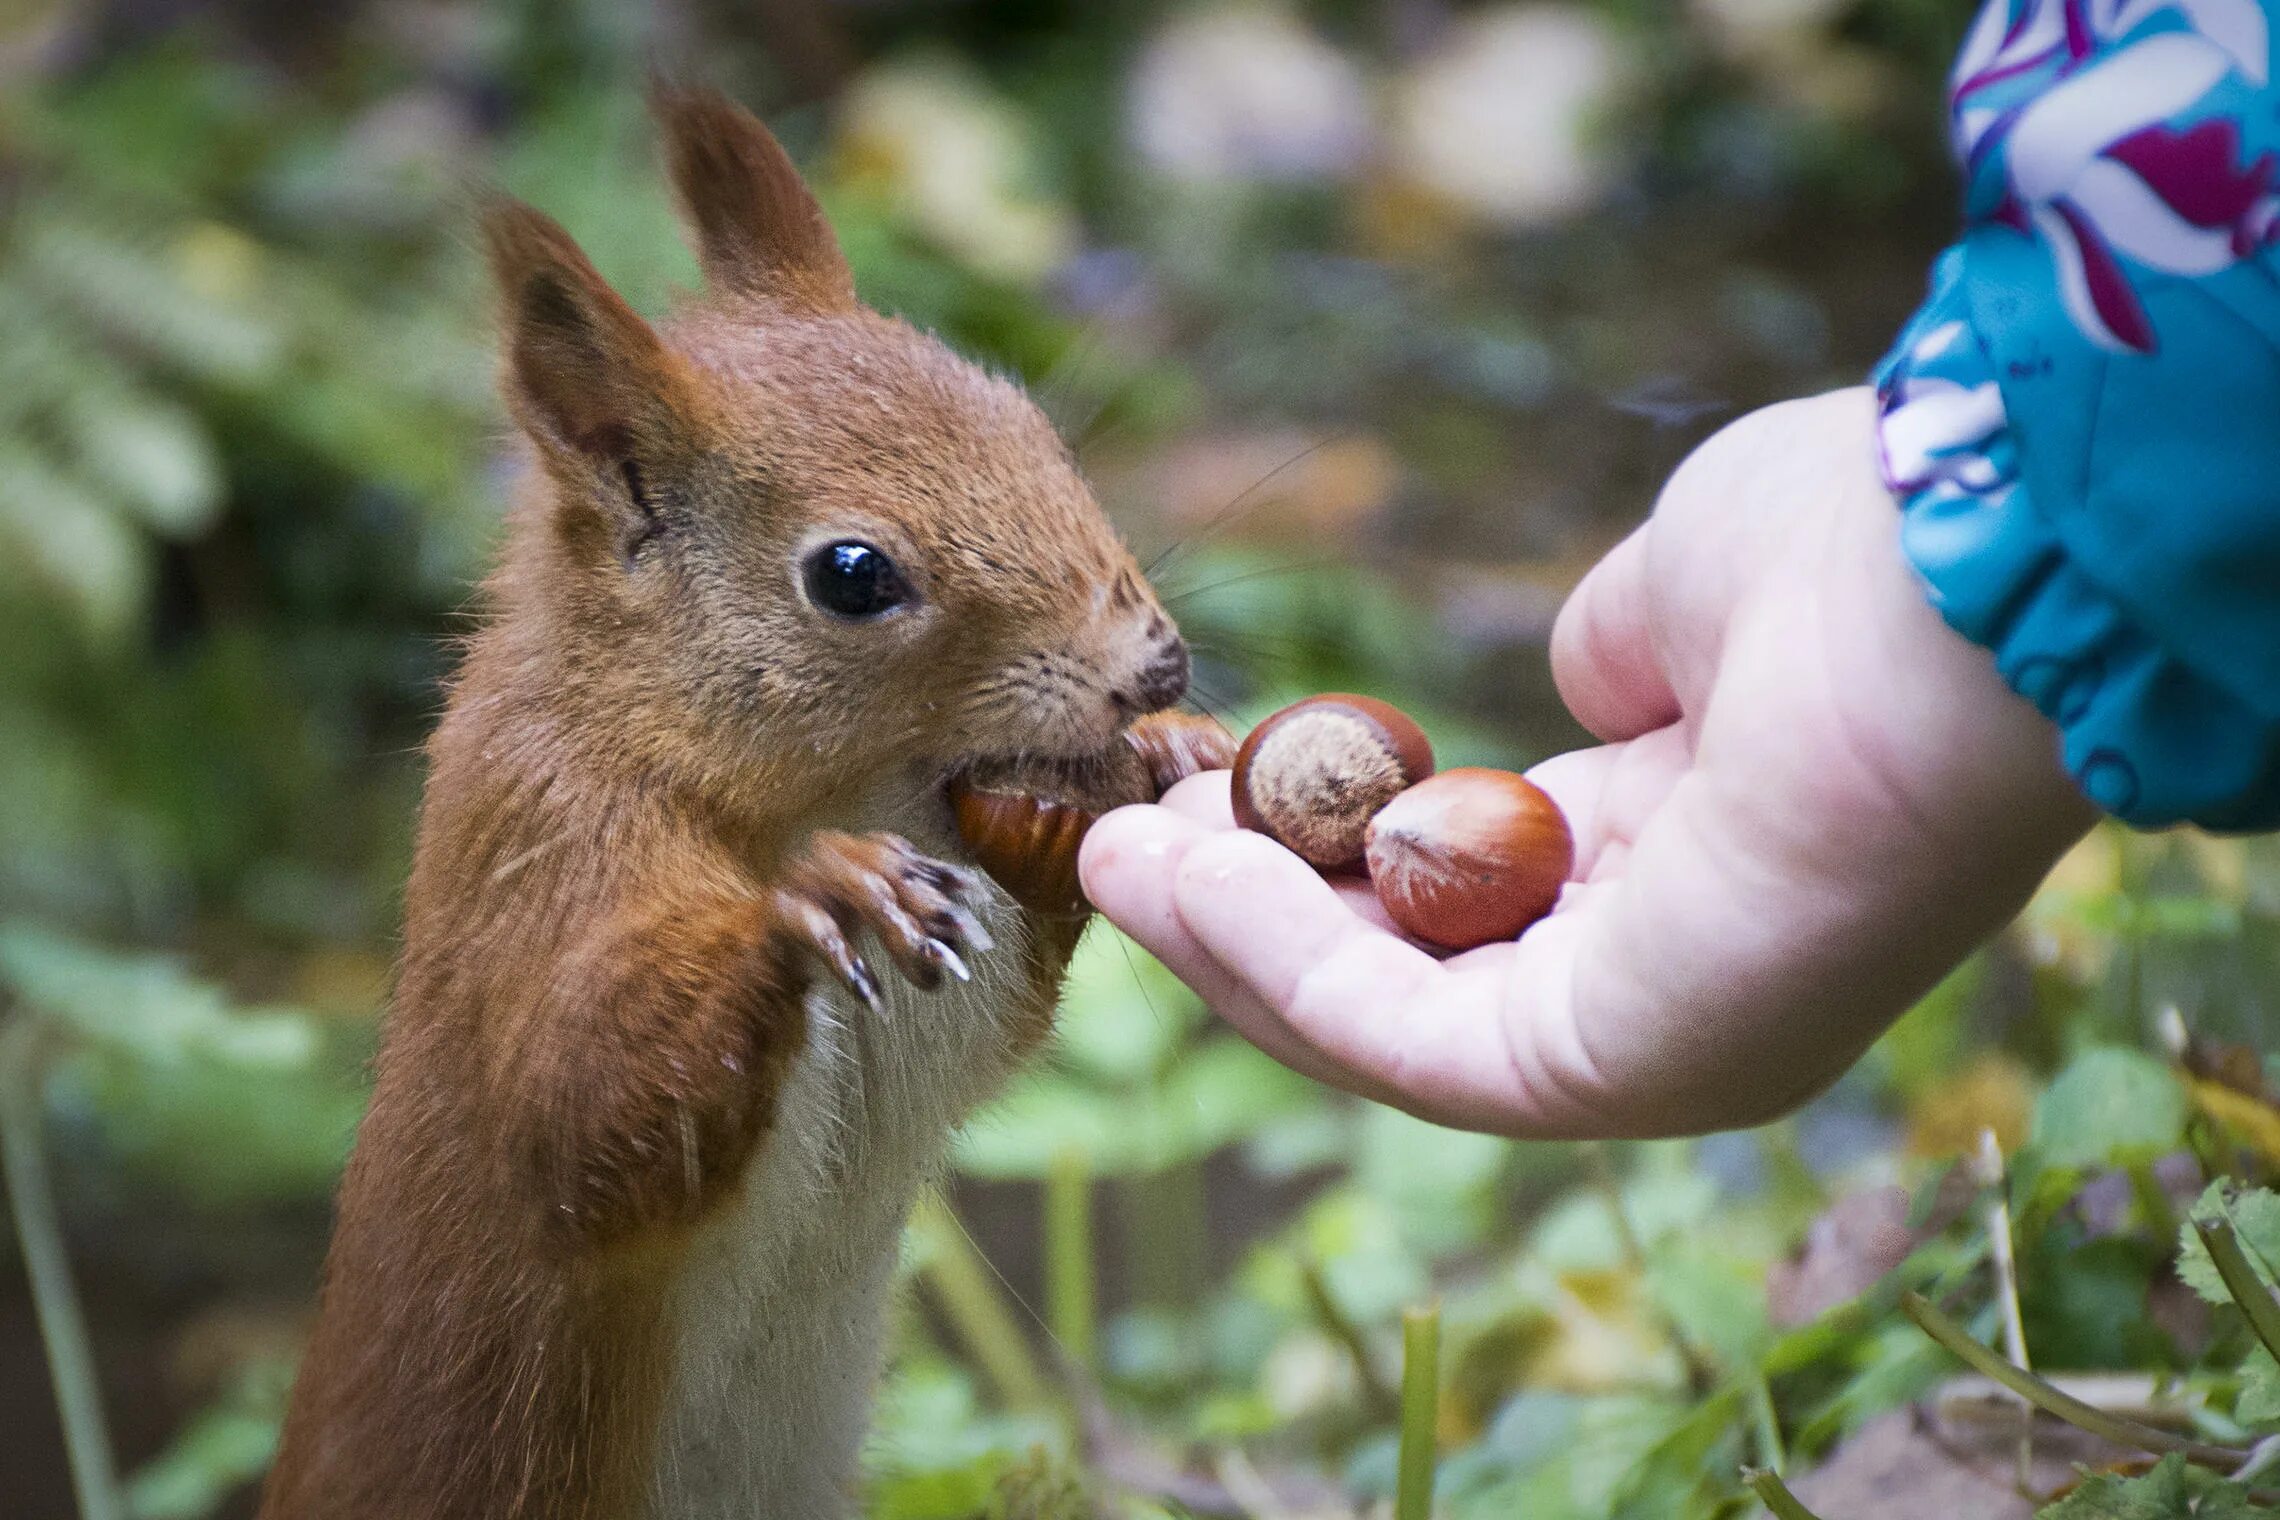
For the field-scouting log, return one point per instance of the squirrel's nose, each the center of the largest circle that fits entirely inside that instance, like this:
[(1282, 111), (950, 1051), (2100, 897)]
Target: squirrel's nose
[(1157, 684)]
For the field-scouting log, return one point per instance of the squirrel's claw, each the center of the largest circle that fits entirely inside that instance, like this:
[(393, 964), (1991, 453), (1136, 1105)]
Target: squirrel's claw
[(971, 931), (919, 908), (817, 929), (856, 973), (948, 959)]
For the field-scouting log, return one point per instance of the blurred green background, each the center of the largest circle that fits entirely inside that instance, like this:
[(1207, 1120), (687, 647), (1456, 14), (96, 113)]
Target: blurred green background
[(1379, 320)]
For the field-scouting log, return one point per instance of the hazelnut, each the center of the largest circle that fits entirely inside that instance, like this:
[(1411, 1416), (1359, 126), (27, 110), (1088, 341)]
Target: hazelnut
[(1310, 776), (1027, 843), (1023, 822), (1470, 857), (1176, 745)]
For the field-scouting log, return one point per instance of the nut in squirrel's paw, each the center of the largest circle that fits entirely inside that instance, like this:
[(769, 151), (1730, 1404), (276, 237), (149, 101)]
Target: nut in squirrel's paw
[(1024, 823), (1459, 859), (921, 910)]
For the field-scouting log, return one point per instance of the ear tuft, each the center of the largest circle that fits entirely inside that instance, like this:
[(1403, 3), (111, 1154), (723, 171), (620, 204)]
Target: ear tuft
[(759, 231), (583, 371)]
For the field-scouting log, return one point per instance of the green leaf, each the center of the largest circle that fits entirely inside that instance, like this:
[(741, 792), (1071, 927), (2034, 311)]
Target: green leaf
[(2158, 1495), (1715, 1298), (1681, 1469), (1442, 1184), (936, 1454), (1123, 1015), (2255, 1216), (225, 1104), (2220, 1500), (1364, 1259), (136, 295), (146, 1005), (1613, 1457), (1662, 1199), (1219, 1093), (222, 1448), (2173, 1490), (2258, 1402), (2110, 1106), (152, 453), (2085, 1301), (74, 544)]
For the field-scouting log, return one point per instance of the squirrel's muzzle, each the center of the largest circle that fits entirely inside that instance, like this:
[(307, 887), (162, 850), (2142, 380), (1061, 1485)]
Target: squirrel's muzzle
[(1157, 684)]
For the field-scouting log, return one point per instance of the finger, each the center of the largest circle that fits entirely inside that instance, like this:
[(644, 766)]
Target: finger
[(1603, 658), (1407, 1029), (1610, 792), (1129, 863), (1204, 798), (1576, 781)]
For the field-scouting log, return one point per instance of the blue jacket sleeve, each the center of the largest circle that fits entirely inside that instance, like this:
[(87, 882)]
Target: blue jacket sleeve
[(2082, 424)]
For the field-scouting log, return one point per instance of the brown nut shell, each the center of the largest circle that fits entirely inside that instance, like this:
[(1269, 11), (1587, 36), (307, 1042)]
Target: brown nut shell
[(1176, 745), (1027, 844), (1023, 824), (1469, 857), (1311, 776)]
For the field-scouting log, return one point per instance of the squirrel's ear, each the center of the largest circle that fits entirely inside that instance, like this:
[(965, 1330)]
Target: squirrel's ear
[(584, 372), (758, 228)]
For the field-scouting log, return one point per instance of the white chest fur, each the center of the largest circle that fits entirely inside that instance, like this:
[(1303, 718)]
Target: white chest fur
[(780, 1304)]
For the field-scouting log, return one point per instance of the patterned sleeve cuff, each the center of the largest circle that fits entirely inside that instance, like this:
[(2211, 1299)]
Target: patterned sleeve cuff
[(2079, 424), (2145, 737)]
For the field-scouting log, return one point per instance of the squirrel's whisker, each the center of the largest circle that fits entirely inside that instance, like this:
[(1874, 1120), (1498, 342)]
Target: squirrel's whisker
[(1237, 507)]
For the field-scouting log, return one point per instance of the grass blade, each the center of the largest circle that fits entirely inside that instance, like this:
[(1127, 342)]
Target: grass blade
[(1420, 1412), (2101, 1423), (961, 1283), (1069, 1301), (1384, 1403), (63, 1329), (1775, 1494)]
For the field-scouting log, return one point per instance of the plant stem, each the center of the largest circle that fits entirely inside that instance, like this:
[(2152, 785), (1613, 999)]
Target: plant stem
[(1775, 1494), (1069, 1302), (961, 1283), (2247, 1289), (63, 1329), (2099, 1422), (1989, 1171), (1384, 1403), (1771, 1450), (1420, 1411), (1167, 1221), (1600, 1168)]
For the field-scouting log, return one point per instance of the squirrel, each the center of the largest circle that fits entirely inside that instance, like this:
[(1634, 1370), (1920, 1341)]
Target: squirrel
[(619, 1226)]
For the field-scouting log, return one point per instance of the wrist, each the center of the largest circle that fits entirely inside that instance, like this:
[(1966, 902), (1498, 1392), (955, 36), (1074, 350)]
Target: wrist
[(1974, 753)]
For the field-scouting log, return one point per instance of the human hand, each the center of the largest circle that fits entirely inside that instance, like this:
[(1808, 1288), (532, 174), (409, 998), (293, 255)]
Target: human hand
[(1813, 800)]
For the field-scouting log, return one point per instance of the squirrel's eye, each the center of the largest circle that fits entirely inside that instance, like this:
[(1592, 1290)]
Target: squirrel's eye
[(854, 580)]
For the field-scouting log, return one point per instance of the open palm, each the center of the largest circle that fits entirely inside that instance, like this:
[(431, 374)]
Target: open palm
[(1813, 800)]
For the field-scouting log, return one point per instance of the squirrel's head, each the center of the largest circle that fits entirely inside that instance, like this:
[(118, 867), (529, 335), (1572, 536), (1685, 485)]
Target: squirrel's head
[(782, 524)]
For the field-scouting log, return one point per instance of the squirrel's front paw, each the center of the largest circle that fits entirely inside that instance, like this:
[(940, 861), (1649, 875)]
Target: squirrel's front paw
[(921, 909)]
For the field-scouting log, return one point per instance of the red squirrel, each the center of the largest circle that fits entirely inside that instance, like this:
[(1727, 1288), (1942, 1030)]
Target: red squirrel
[(697, 975)]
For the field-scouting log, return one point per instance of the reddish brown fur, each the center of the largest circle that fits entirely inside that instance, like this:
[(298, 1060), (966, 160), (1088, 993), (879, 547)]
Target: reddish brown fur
[(621, 893)]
